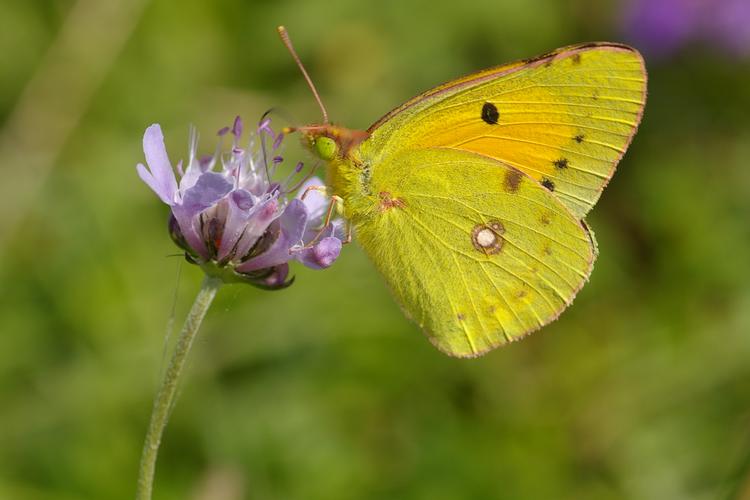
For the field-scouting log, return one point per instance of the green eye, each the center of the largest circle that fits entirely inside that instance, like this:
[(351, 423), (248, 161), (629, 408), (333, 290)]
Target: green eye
[(325, 148)]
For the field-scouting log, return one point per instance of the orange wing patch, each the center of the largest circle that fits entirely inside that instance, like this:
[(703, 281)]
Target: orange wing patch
[(564, 118)]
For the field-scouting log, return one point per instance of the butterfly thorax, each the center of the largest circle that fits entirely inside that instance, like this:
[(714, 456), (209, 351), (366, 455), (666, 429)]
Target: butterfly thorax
[(347, 174)]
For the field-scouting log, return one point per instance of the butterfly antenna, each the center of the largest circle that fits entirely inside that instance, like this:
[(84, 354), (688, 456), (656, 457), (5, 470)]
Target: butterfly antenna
[(285, 38)]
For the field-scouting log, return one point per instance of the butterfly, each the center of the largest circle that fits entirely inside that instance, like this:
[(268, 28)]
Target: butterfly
[(470, 198)]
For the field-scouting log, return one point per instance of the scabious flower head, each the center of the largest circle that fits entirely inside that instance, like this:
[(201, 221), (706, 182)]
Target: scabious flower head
[(232, 217)]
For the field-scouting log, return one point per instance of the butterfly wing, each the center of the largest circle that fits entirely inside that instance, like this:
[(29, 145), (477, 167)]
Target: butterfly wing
[(564, 118), (475, 251)]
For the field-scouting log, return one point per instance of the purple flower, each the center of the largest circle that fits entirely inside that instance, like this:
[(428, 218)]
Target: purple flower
[(663, 27), (232, 218)]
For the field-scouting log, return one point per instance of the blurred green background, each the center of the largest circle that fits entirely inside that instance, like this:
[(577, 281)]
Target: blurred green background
[(324, 391)]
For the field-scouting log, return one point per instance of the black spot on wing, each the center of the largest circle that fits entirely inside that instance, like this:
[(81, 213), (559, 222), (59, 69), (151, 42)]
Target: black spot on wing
[(548, 184), (579, 138), (490, 114), (561, 163)]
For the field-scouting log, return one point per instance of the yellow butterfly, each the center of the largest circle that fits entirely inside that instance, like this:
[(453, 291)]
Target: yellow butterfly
[(470, 197)]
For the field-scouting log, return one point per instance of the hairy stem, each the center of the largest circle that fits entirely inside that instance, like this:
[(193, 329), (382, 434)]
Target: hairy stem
[(167, 392)]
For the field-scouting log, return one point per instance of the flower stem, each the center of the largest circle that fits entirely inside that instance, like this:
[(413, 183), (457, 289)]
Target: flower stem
[(165, 397)]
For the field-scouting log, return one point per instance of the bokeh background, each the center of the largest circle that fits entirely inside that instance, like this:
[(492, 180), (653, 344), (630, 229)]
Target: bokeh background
[(324, 391)]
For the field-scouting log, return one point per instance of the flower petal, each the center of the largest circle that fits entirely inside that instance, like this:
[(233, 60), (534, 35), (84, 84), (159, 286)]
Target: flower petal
[(315, 201), (322, 255), (262, 215), (293, 222), (191, 175), (146, 177), (187, 222), (239, 205), (207, 191), (164, 182)]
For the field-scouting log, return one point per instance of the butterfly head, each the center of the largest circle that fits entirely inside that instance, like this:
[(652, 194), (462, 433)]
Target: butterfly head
[(321, 142), (329, 142), (325, 148)]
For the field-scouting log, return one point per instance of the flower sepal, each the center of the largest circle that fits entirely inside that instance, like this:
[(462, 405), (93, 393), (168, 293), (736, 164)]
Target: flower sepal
[(272, 278)]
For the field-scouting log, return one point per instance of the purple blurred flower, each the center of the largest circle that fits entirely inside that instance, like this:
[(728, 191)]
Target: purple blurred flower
[(663, 27), (232, 218)]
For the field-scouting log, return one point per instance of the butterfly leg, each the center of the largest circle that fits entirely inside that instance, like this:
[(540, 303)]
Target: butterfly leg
[(336, 204), (349, 228), (320, 189)]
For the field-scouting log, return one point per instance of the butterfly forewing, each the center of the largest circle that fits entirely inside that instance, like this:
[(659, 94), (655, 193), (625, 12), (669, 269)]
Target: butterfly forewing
[(564, 119)]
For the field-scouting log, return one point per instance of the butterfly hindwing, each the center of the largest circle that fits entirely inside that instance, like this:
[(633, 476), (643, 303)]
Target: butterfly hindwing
[(564, 119), (476, 252)]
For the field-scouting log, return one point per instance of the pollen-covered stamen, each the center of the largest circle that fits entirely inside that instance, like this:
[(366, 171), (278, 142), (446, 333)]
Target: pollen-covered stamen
[(264, 128), (265, 125), (237, 128), (250, 176), (275, 162), (236, 131), (297, 169), (304, 179), (206, 162), (232, 163)]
